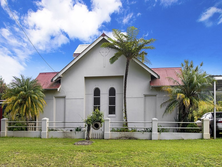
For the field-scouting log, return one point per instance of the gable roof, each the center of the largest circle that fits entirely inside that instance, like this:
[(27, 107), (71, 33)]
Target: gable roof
[(164, 73), (87, 48), (45, 81), (51, 80)]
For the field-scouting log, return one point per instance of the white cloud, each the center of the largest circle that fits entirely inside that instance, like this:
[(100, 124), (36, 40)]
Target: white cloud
[(167, 3), (130, 2), (127, 18), (12, 14), (58, 21), (9, 65), (207, 15), (14, 52), (109, 34), (138, 14), (53, 24)]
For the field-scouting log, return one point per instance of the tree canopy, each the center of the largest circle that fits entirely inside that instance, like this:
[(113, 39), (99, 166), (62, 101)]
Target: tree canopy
[(189, 91), (3, 88), (25, 97), (128, 45)]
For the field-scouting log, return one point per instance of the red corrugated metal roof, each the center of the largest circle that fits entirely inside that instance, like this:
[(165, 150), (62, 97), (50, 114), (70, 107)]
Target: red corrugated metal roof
[(164, 73), (45, 80)]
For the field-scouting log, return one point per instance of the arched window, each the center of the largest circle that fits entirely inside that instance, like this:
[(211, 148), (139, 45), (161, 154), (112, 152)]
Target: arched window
[(112, 101), (96, 97)]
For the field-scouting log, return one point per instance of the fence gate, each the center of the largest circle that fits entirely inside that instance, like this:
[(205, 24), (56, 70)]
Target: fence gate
[(97, 134)]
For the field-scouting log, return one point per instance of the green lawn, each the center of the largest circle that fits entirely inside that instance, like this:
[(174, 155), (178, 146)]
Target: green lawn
[(63, 152)]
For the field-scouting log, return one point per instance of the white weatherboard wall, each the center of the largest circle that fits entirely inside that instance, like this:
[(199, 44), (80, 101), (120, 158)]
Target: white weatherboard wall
[(94, 70)]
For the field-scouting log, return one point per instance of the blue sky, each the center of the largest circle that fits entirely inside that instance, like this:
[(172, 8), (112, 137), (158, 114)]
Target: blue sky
[(183, 29)]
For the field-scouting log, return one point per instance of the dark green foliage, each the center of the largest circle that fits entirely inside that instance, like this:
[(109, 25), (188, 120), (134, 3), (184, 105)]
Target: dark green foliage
[(20, 121), (124, 130), (3, 88), (161, 129), (190, 89), (96, 116), (18, 128), (192, 125), (78, 129), (147, 130)]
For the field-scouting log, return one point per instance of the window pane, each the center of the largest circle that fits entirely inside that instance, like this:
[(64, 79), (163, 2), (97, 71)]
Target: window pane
[(96, 101), (112, 92), (97, 92), (112, 110), (112, 101)]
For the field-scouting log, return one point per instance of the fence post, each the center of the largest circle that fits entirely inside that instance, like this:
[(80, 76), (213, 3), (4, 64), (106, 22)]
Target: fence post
[(205, 130), (106, 128), (4, 127), (44, 133), (154, 129)]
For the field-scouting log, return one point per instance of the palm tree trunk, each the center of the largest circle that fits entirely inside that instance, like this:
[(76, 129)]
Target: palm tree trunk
[(124, 95)]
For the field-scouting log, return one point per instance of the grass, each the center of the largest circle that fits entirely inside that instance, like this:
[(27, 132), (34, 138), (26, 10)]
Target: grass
[(63, 152)]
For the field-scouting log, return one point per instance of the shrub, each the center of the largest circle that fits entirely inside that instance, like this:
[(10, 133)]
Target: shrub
[(193, 130), (78, 129), (17, 128)]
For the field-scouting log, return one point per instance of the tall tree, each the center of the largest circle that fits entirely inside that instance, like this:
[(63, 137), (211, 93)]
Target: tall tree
[(189, 91), (3, 87), (24, 97), (130, 46)]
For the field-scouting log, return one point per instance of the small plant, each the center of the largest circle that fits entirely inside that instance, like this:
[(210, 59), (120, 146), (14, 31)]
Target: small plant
[(78, 129), (160, 129), (147, 130), (133, 130), (51, 129), (120, 130), (124, 130)]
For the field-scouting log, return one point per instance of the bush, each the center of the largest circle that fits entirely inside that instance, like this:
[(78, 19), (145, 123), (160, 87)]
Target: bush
[(96, 116), (160, 129), (78, 129), (17, 128), (192, 130), (124, 130)]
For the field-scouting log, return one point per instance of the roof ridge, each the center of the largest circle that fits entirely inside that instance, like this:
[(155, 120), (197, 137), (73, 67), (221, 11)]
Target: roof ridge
[(164, 67)]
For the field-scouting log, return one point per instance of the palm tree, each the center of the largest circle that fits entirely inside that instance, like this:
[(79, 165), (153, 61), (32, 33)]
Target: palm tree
[(129, 46), (24, 97), (189, 91)]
